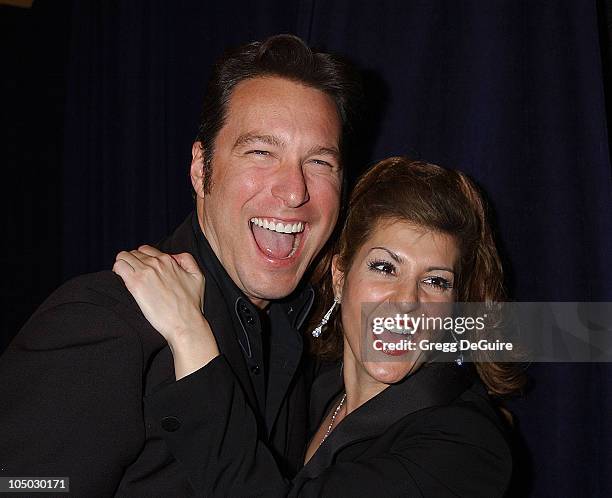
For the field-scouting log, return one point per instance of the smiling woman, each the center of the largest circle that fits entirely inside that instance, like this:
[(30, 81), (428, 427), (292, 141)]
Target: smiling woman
[(441, 215), (399, 263)]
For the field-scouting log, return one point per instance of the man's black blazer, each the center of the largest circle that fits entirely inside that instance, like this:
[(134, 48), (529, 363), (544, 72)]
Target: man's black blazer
[(74, 382)]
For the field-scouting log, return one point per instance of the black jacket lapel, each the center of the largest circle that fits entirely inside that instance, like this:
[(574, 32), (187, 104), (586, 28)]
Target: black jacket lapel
[(433, 385)]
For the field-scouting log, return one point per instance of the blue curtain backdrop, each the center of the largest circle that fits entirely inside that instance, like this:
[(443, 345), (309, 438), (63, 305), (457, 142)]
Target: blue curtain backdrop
[(512, 92)]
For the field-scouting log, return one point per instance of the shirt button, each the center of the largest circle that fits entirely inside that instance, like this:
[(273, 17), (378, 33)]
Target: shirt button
[(170, 424), (255, 369)]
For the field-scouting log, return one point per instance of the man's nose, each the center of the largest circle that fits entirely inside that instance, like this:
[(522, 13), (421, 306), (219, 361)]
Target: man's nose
[(290, 186)]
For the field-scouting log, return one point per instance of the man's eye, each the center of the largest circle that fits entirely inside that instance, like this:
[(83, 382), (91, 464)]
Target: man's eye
[(258, 152), (381, 266), (438, 283), (322, 163)]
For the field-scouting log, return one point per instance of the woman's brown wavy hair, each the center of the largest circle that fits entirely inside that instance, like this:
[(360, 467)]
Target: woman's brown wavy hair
[(446, 201)]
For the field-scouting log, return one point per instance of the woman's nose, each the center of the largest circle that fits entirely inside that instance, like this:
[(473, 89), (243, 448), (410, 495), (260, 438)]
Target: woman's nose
[(406, 297)]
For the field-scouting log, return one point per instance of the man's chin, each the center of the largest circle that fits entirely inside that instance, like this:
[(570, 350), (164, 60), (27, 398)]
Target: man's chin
[(275, 279), (271, 280), (273, 291)]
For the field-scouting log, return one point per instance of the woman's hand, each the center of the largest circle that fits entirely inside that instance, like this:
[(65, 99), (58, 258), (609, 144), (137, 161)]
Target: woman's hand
[(169, 290)]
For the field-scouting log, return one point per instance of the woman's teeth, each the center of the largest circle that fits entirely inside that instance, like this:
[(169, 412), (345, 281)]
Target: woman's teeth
[(400, 330)]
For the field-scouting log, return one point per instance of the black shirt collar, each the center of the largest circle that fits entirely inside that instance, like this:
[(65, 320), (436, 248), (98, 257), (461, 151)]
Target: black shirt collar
[(215, 269)]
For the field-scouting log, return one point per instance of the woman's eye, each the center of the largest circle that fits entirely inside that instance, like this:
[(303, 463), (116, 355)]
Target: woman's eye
[(322, 163), (385, 267), (438, 283)]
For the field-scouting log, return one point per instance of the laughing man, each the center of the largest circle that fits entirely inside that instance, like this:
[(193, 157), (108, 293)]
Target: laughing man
[(267, 174)]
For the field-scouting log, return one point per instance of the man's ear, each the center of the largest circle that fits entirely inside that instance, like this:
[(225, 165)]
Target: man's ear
[(337, 277), (197, 168)]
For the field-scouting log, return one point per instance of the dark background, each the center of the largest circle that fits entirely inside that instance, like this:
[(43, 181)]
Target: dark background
[(100, 104)]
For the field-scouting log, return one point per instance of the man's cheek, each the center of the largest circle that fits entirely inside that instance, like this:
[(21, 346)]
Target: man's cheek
[(331, 211), (251, 182)]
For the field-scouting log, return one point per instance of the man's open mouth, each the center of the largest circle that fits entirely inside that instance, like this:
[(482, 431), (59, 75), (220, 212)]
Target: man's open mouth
[(276, 239)]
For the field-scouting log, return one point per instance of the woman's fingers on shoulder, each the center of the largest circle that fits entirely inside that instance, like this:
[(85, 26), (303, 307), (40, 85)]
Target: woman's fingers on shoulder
[(135, 268), (187, 262), (154, 257), (148, 259), (142, 257), (131, 259), (150, 250), (123, 268)]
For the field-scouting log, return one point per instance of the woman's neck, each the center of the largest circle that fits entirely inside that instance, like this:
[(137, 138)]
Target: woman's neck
[(359, 385)]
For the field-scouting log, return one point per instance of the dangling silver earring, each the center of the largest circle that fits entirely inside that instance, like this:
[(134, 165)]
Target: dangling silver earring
[(459, 359), (317, 332)]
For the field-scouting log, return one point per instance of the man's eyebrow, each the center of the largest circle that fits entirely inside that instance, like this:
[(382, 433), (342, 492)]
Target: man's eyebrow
[(396, 257), (324, 151), (250, 138)]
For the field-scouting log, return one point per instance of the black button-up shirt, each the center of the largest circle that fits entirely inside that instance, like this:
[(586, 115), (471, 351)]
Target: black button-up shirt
[(268, 350)]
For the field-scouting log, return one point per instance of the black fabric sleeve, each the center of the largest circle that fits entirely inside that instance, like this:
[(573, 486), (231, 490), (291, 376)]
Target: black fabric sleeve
[(71, 400), (212, 431)]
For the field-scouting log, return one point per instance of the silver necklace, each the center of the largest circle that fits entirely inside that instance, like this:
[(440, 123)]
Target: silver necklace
[(333, 419)]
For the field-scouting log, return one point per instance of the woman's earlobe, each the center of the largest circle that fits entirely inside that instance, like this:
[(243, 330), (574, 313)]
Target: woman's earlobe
[(337, 277)]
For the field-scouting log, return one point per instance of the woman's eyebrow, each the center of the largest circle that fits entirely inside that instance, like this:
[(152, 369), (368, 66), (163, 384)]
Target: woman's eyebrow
[(396, 257), (443, 268)]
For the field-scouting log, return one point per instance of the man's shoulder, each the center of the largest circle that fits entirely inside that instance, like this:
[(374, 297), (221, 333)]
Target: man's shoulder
[(89, 308), (100, 288)]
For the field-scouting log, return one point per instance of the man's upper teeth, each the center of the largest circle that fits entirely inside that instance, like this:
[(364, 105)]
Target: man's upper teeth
[(278, 226)]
